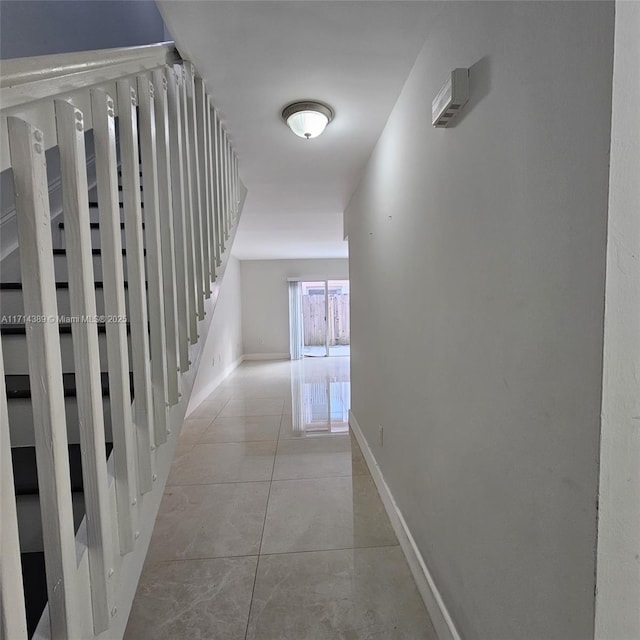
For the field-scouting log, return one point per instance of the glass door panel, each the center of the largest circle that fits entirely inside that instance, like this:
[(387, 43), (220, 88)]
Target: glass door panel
[(314, 318), (338, 324)]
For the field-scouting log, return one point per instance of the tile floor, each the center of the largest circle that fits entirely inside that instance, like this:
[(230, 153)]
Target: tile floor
[(271, 527)]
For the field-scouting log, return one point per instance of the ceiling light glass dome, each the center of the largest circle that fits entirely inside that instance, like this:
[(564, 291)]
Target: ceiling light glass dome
[(307, 119)]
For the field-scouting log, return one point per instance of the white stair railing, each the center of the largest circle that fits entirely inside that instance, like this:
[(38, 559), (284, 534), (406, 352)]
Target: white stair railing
[(13, 622), (73, 162), (136, 277), (140, 100)]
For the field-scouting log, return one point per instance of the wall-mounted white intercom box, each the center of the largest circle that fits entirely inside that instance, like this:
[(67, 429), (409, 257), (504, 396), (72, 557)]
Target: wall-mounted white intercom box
[(451, 98)]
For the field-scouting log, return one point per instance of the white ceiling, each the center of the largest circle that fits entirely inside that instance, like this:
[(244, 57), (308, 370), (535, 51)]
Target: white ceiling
[(256, 57)]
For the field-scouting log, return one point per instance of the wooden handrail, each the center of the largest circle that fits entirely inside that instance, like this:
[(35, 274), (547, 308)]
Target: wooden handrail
[(33, 83), (19, 71), (28, 86)]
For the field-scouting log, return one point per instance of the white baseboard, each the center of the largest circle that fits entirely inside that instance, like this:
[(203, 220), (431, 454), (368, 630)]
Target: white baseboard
[(197, 399), (266, 356), (440, 616)]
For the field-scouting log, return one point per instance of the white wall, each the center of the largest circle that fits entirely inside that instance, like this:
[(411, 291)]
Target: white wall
[(222, 351), (265, 299), (477, 262), (618, 595)]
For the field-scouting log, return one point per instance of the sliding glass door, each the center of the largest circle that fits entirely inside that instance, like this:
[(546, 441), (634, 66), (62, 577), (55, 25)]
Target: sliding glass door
[(338, 324), (325, 318), (314, 318)]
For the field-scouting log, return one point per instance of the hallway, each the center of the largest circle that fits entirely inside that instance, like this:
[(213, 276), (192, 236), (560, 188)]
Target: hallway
[(271, 527)]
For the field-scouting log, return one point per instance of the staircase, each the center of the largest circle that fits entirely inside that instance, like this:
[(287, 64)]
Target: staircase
[(101, 306)]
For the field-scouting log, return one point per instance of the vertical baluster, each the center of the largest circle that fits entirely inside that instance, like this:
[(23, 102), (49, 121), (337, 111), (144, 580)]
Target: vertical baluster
[(192, 278), (223, 186), (13, 620), (165, 212), (45, 374), (195, 186), (75, 204), (203, 160), (152, 225), (236, 178), (209, 187), (238, 183), (234, 168), (214, 260), (231, 189), (227, 186), (223, 189), (136, 277), (102, 107), (179, 213), (218, 188), (234, 205)]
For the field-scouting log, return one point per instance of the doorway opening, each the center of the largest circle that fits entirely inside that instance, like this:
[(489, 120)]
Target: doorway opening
[(326, 329)]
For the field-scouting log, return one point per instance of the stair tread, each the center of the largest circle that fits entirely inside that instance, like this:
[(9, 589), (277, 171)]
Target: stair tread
[(18, 385), (17, 286), (17, 329), (93, 225), (95, 252), (94, 205), (25, 469)]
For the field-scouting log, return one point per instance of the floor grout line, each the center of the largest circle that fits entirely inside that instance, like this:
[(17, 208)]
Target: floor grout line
[(266, 510), (206, 484), (274, 553), (201, 558), (270, 480), (357, 548), (233, 442)]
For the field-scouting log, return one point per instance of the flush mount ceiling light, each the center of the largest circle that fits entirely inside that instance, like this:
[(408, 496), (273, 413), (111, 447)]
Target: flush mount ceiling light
[(307, 118)]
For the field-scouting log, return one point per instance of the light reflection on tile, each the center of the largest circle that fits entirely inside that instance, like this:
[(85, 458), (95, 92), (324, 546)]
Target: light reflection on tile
[(354, 594), (318, 458), (320, 397), (325, 513)]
